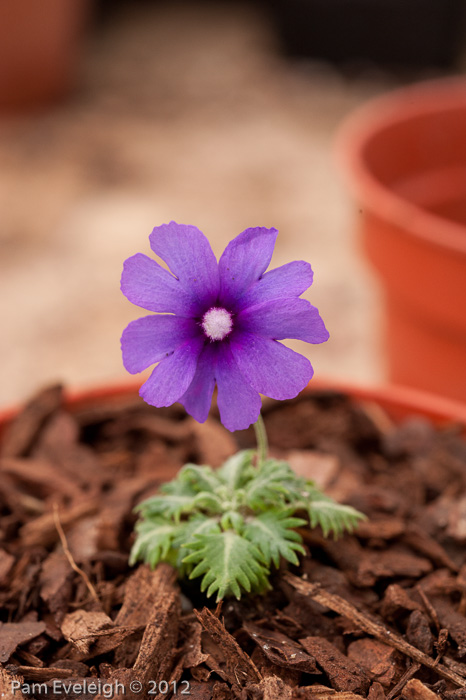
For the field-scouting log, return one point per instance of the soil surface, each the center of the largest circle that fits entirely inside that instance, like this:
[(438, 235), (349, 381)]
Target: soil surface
[(379, 614)]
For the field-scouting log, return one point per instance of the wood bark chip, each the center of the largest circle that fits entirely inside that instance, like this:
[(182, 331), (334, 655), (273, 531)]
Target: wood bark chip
[(82, 628), (158, 644), (12, 634), (273, 688), (416, 690), (281, 650), (7, 690), (372, 627), (342, 672), (379, 661), (240, 668), (23, 430), (43, 530)]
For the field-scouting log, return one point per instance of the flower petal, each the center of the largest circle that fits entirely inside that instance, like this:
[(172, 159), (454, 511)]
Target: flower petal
[(172, 376), (238, 402), (289, 280), (198, 397), (189, 256), (151, 338), (270, 367), (243, 261), (145, 283), (284, 318)]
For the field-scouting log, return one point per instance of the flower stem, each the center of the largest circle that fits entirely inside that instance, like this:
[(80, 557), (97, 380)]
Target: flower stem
[(262, 443)]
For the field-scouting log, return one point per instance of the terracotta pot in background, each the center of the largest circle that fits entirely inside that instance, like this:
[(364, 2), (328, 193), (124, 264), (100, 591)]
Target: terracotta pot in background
[(405, 155), (39, 44), (398, 403)]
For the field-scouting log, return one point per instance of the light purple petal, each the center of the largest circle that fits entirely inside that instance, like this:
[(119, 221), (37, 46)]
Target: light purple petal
[(270, 367), (239, 404), (151, 338), (145, 283), (198, 397), (243, 261), (287, 281), (172, 376), (189, 256), (284, 318)]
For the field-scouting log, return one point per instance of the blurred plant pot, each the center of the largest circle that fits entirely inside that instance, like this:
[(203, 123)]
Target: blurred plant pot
[(39, 44), (398, 402), (405, 155), (393, 32)]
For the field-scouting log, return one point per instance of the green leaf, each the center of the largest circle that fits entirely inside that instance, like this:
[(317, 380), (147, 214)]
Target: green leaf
[(237, 469), (155, 537), (168, 505), (187, 534), (228, 563), (331, 516), (272, 532), (267, 487), (199, 478)]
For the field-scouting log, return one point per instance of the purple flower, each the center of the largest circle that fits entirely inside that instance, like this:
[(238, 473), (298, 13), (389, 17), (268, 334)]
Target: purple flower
[(220, 323)]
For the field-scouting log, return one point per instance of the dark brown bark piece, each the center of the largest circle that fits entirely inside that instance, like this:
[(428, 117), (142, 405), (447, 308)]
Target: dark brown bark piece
[(13, 634), (376, 692), (273, 688), (418, 632), (416, 690), (453, 621), (342, 672), (82, 629), (380, 662), (382, 529), (40, 476), (389, 564), (423, 543), (6, 565), (158, 645), (201, 691), (23, 430), (9, 689), (281, 650), (55, 584), (397, 601), (192, 654), (240, 668), (43, 530), (42, 675)]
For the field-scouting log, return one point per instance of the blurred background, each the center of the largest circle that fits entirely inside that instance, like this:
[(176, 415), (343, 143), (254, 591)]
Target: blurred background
[(219, 114)]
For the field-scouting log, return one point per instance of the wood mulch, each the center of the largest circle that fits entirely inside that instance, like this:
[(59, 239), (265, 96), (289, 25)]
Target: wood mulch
[(379, 614)]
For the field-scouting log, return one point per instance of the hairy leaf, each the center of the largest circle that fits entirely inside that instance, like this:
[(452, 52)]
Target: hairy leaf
[(154, 540), (199, 478), (331, 516), (186, 535), (237, 470), (168, 505), (272, 533), (228, 563), (266, 488)]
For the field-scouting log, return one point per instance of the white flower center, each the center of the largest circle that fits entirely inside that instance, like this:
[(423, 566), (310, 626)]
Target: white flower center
[(217, 323)]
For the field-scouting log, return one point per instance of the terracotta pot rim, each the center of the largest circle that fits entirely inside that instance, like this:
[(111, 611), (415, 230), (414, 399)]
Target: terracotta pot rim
[(428, 97), (397, 400)]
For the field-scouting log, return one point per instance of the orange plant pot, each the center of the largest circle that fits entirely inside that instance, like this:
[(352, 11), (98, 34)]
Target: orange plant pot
[(405, 156), (398, 403), (39, 44)]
